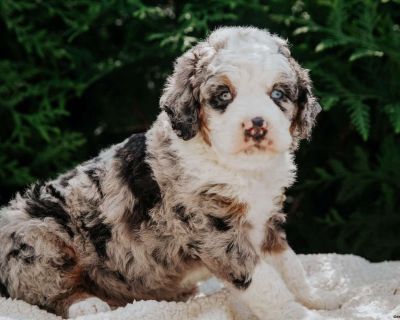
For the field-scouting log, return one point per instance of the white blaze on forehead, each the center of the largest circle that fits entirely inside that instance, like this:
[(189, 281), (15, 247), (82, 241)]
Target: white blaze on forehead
[(253, 70), (248, 54), (242, 37)]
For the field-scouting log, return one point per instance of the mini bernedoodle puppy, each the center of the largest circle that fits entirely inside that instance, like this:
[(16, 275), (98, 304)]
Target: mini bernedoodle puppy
[(202, 188)]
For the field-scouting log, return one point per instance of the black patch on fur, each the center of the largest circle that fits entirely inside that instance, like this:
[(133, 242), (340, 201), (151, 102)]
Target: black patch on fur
[(14, 253), (159, 257), (302, 96), (68, 263), (230, 247), (23, 252), (120, 276), (68, 176), (180, 211), (98, 231), (55, 193), (87, 282), (100, 234), (217, 102), (39, 208), (94, 175), (137, 174), (184, 122), (3, 290), (195, 245), (220, 224), (65, 263), (241, 283)]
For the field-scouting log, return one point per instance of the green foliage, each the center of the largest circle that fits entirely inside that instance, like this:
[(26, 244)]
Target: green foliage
[(359, 57), (76, 76), (367, 189)]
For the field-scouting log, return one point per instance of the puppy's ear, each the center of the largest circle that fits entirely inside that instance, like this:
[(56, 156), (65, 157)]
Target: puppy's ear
[(181, 96), (307, 105)]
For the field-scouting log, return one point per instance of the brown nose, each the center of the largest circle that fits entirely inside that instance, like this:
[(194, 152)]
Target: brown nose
[(255, 129)]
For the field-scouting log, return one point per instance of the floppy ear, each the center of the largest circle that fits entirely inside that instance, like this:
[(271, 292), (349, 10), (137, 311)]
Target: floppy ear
[(307, 105), (181, 97)]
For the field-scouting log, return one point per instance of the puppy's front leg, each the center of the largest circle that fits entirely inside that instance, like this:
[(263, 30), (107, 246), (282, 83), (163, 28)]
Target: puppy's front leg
[(268, 297), (290, 268), (254, 281)]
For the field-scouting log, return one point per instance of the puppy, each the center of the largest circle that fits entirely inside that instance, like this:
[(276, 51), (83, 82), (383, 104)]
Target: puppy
[(202, 188)]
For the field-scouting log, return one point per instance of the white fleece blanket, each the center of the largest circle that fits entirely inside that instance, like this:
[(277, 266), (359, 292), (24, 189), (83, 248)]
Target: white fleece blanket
[(370, 291)]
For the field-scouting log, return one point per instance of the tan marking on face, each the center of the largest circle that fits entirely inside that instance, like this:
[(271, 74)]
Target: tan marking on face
[(204, 130), (230, 85), (294, 126)]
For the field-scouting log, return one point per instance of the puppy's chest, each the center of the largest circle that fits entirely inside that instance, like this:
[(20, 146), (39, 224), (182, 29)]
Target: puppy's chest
[(261, 202)]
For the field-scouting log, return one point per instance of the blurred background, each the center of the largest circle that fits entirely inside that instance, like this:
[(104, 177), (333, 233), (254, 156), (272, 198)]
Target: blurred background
[(77, 76)]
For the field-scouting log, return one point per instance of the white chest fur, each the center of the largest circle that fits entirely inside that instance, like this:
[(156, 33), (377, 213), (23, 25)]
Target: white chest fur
[(260, 200)]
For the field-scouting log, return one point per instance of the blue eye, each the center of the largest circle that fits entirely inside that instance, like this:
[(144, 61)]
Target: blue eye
[(225, 96), (277, 94)]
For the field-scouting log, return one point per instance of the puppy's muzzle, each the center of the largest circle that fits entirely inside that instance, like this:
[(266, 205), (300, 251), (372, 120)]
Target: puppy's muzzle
[(255, 129)]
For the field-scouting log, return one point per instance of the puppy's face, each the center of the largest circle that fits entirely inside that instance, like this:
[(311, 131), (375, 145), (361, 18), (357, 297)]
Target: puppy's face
[(248, 103), (243, 94)]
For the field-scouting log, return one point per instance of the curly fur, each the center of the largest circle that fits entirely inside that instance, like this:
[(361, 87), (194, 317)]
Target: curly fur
[(193, 192)]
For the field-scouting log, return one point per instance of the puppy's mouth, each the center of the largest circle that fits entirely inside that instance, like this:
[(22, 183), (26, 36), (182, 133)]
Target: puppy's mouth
[(256, 137), (252, 147), (257, 134)]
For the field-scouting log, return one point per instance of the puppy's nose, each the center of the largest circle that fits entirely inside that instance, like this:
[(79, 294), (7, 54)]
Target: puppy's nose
[(256, 129), (258, 122)]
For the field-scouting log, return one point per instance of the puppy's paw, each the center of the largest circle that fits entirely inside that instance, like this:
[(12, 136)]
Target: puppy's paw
[(87, 306), (322, 299)]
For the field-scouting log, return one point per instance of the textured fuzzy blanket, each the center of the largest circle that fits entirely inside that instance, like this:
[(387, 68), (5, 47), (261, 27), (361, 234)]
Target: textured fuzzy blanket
[(371, 291)]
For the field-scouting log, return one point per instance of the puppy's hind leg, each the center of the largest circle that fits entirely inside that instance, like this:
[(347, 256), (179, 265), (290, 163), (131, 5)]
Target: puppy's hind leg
[(38, 264)]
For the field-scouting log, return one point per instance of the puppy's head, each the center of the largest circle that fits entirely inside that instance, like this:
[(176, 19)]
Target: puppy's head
[(242, 93)]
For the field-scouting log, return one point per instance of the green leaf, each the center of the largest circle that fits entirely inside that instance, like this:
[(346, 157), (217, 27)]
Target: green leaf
[(327, 102), (360, 117), (361, 53), (393, 112), (329, 44), (323, 174)]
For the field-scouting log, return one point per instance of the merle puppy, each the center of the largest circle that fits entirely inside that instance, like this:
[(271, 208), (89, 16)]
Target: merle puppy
[(203, 188)]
